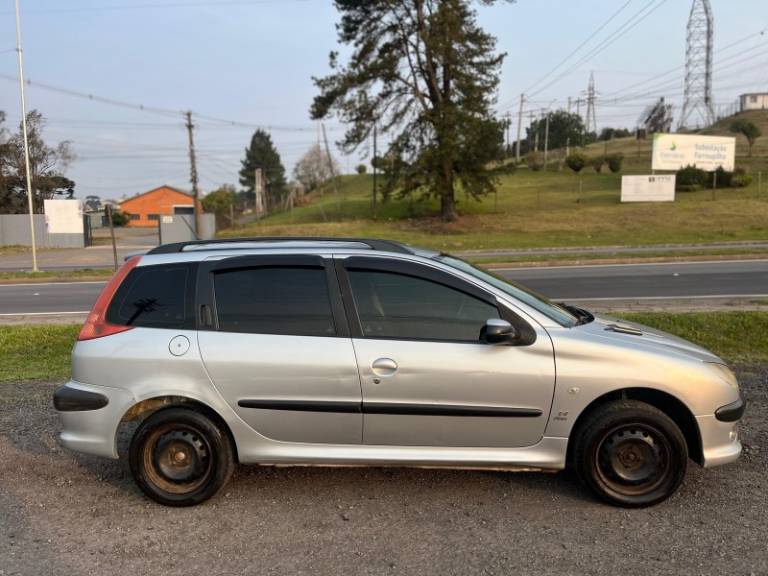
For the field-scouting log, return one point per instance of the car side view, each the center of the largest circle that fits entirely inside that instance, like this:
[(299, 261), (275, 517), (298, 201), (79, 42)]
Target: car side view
[(307, 351)]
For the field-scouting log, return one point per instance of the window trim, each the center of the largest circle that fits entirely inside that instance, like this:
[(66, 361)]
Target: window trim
[(426, 273), (206, 296)]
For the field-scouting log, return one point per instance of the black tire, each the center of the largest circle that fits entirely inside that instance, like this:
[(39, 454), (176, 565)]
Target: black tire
[(180, 457), (630, 454)]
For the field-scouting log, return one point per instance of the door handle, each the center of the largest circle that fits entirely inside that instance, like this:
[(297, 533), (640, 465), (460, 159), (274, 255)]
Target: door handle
[(384, 367)]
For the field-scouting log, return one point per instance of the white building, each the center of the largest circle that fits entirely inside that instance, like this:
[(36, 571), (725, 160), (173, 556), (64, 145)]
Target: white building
[(755, 101)]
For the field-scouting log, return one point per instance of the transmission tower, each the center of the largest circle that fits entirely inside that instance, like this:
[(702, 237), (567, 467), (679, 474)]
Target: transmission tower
[(698, 103), (591, 121)]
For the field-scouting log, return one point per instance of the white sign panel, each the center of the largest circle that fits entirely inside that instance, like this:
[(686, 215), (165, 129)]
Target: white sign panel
[(648, 188), (63, 216), (675, 151)]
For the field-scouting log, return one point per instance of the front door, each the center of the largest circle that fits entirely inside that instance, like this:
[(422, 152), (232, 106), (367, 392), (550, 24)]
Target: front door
[(427, 379), (277, 347)]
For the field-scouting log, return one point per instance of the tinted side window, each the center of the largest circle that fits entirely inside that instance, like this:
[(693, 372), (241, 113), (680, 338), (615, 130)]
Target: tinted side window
[(152, 297), (276, 300), (393, 305)]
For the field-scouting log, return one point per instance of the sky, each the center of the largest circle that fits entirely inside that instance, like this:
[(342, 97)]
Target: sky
[(250, 63)]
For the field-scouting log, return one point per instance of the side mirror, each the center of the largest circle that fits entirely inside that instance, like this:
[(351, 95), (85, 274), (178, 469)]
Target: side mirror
[(497, 331)]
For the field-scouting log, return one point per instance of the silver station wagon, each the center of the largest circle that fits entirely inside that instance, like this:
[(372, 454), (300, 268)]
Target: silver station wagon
[(348, 352)]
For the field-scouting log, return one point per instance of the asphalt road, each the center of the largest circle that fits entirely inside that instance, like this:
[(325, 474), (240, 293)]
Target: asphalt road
[(636, 281), (64, 514)]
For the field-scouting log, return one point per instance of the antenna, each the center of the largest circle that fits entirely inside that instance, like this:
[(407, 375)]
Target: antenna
[(698, 105)]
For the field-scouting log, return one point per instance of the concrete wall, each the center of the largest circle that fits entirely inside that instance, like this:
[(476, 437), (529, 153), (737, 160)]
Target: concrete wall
[(181, 228), (14, 231)]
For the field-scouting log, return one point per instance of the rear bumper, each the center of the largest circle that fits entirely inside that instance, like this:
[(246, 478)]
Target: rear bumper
[(90, 416)]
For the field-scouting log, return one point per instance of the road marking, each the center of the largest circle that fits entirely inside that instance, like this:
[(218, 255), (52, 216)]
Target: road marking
[(512, 269), (50, 284), (43, 313)]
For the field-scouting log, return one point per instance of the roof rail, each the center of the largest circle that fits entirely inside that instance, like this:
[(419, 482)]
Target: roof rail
[(378, 245)]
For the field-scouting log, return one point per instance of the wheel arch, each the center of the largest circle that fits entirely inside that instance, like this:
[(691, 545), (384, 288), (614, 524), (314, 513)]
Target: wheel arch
[(667, 403), (148, 406)]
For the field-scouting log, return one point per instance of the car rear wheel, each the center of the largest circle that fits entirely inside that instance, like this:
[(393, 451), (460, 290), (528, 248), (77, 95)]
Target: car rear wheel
[(630, 454), (180, 457)]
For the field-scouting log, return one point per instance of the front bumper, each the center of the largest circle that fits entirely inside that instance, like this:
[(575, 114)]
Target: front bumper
[(91, 429), (719, 440)]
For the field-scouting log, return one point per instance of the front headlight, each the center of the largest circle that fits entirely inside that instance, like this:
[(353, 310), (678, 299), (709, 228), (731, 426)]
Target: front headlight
[(724, 373)]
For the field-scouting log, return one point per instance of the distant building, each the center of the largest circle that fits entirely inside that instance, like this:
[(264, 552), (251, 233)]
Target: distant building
[(756, 101), (146, 209)]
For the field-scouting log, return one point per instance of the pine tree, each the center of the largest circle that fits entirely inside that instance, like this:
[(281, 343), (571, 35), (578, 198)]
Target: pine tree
[(427, 74), (262, 154)]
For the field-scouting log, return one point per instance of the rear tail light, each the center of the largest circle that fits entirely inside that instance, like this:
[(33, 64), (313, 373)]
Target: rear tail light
[(96, 325)]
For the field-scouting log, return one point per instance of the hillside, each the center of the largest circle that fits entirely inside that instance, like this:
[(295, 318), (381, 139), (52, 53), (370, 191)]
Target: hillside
[(548, 208)]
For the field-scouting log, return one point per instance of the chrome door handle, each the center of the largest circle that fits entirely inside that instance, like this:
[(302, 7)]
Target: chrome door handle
[(384, 367)]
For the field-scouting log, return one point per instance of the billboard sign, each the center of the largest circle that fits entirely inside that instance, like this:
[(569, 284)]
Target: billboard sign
[(675, 151), (648, 188), (63, 216)]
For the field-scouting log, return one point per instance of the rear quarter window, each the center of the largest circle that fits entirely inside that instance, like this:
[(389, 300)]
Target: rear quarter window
[(154, 297)]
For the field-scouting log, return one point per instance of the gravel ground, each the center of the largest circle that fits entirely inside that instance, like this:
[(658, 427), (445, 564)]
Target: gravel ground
[(61, 513)]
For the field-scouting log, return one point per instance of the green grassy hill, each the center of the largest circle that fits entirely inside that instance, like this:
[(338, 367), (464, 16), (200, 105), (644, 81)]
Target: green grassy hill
[(541, 209)]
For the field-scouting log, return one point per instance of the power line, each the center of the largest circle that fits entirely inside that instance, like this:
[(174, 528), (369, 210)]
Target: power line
[(579, 47), (154, 5), (626, 27)]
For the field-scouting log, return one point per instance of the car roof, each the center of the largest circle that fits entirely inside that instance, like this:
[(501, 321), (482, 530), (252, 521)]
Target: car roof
[(289, 244)]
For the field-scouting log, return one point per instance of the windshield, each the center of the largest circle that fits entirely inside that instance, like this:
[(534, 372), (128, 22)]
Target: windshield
[(554, 311)]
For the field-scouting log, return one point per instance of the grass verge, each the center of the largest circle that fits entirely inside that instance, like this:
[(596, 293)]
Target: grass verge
[(735, 336), (42, 352), (39, 352), (80, 275)]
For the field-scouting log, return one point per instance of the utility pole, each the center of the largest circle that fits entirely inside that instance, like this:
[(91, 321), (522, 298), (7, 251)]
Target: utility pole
[(546, 141), (569, 104), (519, 128), (508, 126), (30, 200), (108, 210), (193, 174), (375, 163), (333, 171)]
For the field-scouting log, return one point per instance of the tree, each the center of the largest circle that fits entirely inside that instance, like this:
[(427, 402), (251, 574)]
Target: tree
[(262, 154), (576, 161), (220, 202), (748, 129), (362, 169), (313, 169), (427, 74), (564, 129), (47, 165), (612, 133), (615, 162)]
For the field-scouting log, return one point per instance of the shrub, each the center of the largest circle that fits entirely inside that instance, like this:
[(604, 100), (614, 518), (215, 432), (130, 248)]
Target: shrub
[(741, 179), (690, 179), (362, 169), (615, 162), (120, 219), (533, 160), (724, 178), (576, 161), (597, 164)]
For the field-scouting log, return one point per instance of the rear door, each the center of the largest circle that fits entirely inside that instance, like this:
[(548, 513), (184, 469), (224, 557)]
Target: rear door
[(427, 379), (275, 342)]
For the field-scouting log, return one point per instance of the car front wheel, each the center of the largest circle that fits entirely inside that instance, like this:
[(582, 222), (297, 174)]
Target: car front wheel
[(179, 457), (630, 454)]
